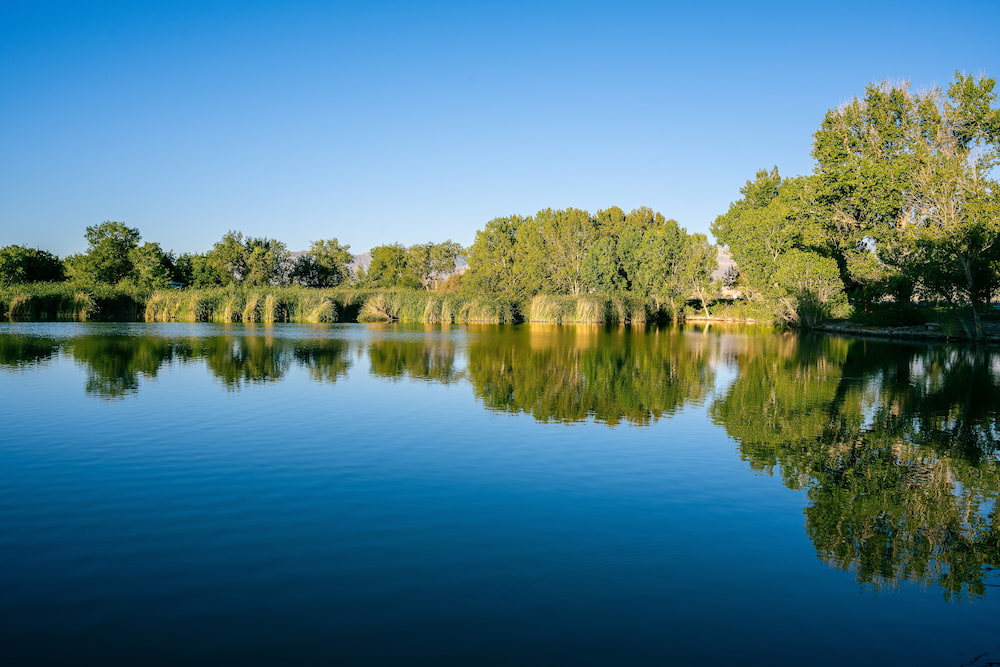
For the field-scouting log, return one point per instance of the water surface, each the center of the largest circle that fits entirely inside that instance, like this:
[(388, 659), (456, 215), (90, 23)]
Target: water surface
[(196, 493)]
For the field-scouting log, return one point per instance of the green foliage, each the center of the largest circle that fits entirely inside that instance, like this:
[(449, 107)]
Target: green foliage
[(151, 267), (39, 302), (235, 260), (391, 268), (570, 252), (551, 250), (774, 237), (108, 259), (325, 265), (906, 176), (491, 259), (29, 265), (432, 262)]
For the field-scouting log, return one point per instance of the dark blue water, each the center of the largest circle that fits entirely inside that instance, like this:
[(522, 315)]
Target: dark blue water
[(352, 494)]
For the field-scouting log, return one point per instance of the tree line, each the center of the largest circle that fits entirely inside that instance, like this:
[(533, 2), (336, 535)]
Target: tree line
[(571, 251), (903, 204), (566, 251), (116, 256)]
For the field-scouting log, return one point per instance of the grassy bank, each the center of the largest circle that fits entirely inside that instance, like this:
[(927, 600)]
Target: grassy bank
[(226, 304), (60, 301), (300, 304), (589, 309)]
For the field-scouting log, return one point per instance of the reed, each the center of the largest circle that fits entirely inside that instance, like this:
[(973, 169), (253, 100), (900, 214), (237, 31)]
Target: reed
[(61, 301), (487, 310), (69, 302), (378, 308), (547, 309), (590, 310), (229, 304)]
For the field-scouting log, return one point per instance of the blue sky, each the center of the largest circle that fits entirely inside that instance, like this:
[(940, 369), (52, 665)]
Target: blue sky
[(381, 122)]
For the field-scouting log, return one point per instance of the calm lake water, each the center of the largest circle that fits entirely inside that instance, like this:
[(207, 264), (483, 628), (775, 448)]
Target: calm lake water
[(358, 494)]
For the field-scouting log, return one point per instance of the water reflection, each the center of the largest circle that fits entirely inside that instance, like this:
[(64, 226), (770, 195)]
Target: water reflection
[(895, 445), (115, 364), (19, 350), (569, 374), (430, 359)]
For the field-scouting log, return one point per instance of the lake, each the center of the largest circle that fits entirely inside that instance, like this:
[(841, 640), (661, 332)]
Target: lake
[(389, 494)]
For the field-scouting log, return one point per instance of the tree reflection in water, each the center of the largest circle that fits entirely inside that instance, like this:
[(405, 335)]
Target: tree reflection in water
[(570, 374), (895, 444)]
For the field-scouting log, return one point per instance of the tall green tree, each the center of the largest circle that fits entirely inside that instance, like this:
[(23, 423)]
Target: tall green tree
[(700, 260), (108, 257), (198, 270), (152, 268), (325, 265), (906, 179), (391, 267), (783, 253), (551, 250), (433, 262), (661, 259), (491, 259)]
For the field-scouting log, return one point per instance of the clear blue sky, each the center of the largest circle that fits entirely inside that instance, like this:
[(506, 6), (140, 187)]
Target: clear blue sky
[(381, 122)]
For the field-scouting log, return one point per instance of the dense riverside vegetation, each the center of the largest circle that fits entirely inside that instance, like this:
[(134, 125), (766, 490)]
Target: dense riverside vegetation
[(902, 207), (903, 204)]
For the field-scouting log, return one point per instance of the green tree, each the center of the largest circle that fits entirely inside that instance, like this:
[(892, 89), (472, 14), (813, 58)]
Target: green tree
[(955, 227), (660, 262), (782, 251), (491, 259), (391, 267), (906, 180), (248, 261), (700, 260), (29, 265), (108, 257), (227, 258), (152, 268), (267, 262), (325, 265), (198, 270), (551, 250), (432, 262)]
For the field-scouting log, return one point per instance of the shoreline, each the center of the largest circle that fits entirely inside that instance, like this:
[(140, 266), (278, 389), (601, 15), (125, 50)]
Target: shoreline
[(930, 332)]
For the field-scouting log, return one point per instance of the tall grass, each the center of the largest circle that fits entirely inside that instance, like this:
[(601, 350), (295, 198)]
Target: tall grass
[(435, 308), (228, 304), (588, 309), (67, 302), (62, 301)]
